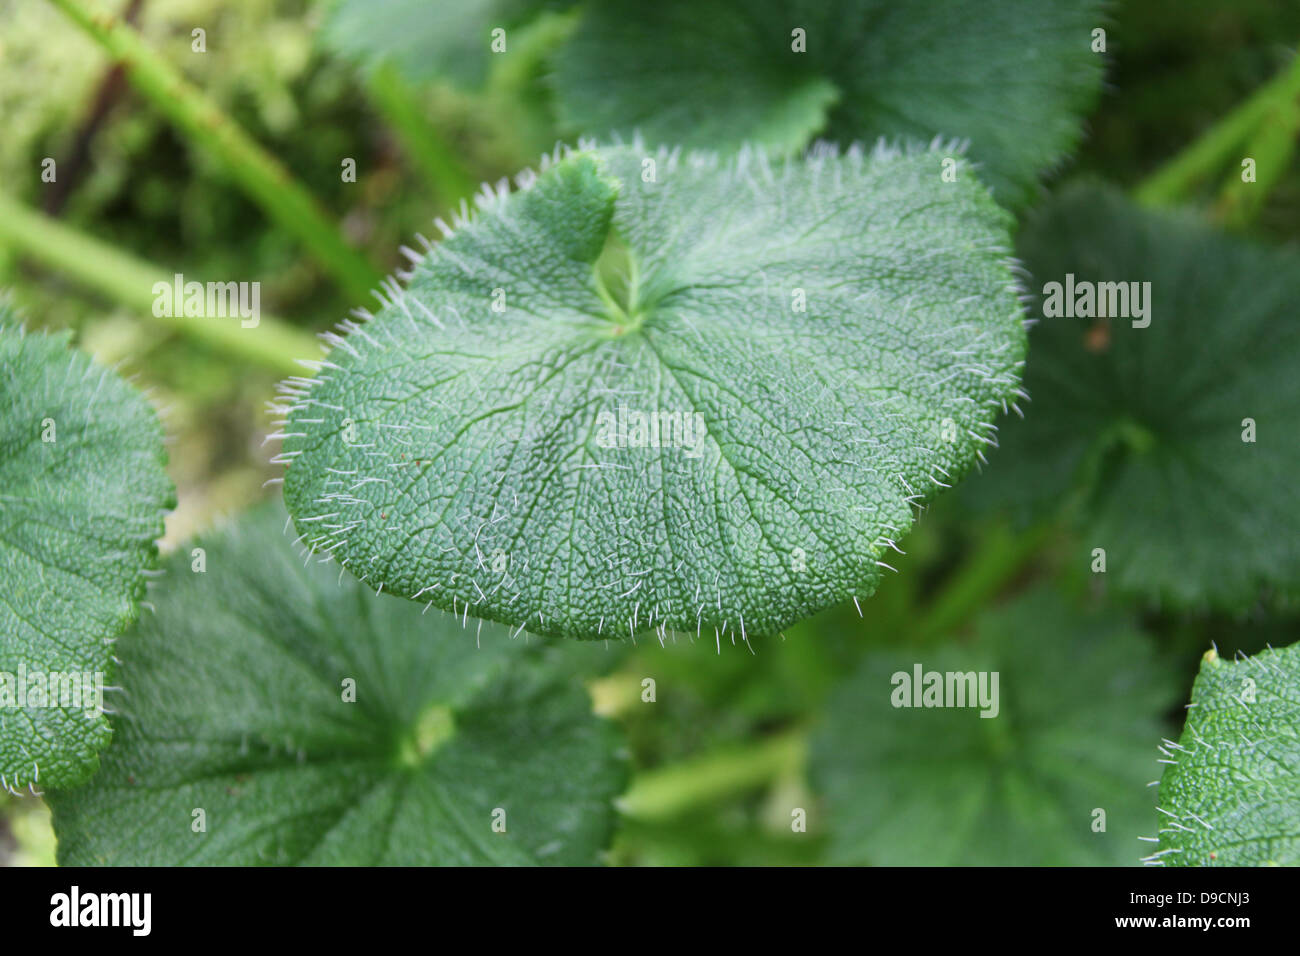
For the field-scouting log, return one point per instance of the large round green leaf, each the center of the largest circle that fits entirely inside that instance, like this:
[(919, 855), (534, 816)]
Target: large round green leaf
[(280, 715), (83, 493), (659, 390)]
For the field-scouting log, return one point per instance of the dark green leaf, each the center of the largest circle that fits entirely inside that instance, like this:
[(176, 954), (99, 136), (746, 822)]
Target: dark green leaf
[(1011, 76), (1139, 431), (236, 708), (1078, 694)]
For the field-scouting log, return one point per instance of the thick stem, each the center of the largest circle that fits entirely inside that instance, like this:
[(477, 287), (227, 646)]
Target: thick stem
[(130, 281), (258, 173)]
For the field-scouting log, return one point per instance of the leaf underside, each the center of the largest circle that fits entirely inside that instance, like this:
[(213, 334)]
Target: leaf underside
[(1231, 792), (820, 344), (83, 492), (450, 730)]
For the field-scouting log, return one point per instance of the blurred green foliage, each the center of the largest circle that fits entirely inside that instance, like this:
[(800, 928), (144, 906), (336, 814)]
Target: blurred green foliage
[(1176, 67)]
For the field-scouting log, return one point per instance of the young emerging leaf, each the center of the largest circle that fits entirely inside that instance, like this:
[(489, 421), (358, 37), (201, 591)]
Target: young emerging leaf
[(659, 390), (1231, 793), (1012, 76), (1169, 429), (83, 492), (280, 716), (934, 784)]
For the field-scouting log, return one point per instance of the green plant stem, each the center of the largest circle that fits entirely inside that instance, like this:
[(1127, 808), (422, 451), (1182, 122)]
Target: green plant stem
[(425, 147), (259, 174), (1000, 557), (668, 791), (130, 281), (1272, 148), (1173, 182)]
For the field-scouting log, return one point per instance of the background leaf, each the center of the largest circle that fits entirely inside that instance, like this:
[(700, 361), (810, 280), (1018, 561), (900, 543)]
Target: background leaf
[(1011, 76), (426, 40), (79, 515), (236, 708), (471, 457), (1231, 793), (1140, 430), (943, 786)]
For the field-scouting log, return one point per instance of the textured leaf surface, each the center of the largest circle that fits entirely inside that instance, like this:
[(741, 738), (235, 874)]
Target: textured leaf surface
[(79, 515), (1231, 792), (1078, 695), (466, 456), (1140, 429), (1012, 76), (425, 40), (236, 707)]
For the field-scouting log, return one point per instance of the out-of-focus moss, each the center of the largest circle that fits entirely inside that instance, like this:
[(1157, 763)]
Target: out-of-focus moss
[(26, 837)]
